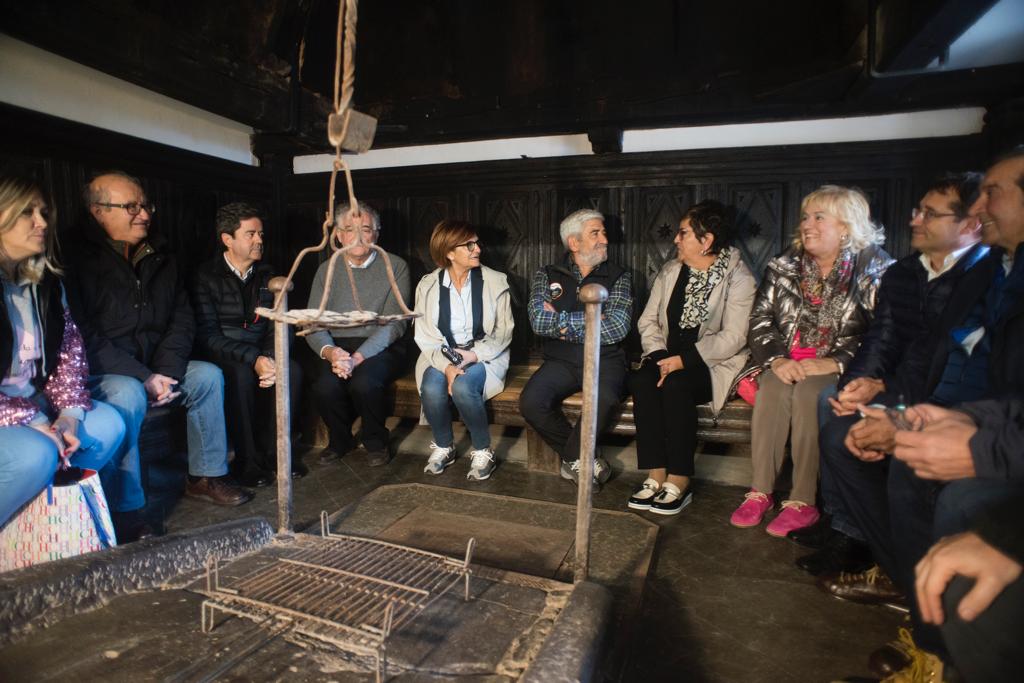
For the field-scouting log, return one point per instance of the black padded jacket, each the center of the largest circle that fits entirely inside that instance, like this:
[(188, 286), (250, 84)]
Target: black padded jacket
[(227, 327)]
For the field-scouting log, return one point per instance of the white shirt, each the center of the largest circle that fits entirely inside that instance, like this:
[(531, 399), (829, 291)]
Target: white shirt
[(367, 262), (461, 309), (236, 271), (947, 263)]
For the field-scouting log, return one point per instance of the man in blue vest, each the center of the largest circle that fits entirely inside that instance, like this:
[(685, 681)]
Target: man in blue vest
[(556, 313)]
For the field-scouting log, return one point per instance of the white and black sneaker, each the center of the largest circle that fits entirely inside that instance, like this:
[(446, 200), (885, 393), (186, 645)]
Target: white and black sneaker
[(642, 497), (439, 458), (670, 500), (481, 465), (571, 470)]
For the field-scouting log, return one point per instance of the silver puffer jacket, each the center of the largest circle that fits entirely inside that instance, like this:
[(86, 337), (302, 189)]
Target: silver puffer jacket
[(779, 300)]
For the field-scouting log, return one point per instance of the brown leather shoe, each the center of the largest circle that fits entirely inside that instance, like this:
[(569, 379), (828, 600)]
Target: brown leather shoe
[(217, 490), (901, 661), (871, 587)]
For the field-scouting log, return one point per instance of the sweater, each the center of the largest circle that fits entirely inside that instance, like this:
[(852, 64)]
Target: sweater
[(374, 294)]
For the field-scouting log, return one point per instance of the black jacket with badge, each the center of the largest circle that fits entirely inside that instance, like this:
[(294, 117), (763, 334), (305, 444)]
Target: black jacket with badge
[(227, 327), (562, 279), (131, 306)]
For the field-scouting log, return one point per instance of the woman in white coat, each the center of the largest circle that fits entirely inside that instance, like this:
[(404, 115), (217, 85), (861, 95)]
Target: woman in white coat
[(694, 335), (463, 333)]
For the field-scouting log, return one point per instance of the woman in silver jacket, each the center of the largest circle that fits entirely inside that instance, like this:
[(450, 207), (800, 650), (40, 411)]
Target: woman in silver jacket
[(694, 334), (463, 333), (812, 307)]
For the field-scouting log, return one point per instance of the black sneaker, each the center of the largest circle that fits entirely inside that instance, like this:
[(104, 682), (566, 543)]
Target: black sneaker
[(670, 500), (571, 470), (642, 497)]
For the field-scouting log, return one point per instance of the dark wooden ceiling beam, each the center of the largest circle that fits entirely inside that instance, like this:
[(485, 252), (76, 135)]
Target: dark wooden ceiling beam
[(119, 39)]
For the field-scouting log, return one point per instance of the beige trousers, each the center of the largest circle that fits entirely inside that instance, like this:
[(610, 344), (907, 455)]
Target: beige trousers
[(782, 409)]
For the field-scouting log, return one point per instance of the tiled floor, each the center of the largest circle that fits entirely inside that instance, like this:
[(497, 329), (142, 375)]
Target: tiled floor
[(721, 604)]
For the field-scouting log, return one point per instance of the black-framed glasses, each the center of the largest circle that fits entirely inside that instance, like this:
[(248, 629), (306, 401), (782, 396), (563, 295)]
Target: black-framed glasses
[(133, 208), (927, 214), (470, 245)]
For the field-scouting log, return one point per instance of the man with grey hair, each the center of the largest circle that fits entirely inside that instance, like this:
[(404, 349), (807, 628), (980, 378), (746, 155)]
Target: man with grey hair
[(557, 314), (360, 363)]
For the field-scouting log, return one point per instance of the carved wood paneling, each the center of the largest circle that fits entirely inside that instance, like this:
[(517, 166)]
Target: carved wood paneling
[(759, 231)]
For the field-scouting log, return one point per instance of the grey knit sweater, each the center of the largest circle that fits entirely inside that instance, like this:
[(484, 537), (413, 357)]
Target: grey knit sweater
[(374, 294)]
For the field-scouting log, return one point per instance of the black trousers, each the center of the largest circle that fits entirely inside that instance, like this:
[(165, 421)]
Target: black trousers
[(363, 395), (666, 417), (555, 380), (250, 412), (988, 648)]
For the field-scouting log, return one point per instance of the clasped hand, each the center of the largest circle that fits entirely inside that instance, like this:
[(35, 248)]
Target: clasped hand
[(453, 371), (792, 371)]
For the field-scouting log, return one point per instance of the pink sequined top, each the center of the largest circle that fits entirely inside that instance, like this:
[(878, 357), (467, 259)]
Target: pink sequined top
[(64, 388)]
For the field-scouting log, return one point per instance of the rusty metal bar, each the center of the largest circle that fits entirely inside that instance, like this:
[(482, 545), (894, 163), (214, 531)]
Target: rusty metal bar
[(592, 296), (282, 382)]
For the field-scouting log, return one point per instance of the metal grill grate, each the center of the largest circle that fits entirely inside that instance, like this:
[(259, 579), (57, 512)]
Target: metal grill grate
[(348, 591)]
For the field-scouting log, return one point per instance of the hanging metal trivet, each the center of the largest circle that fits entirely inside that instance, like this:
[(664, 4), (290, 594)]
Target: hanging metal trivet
[(351, 130)]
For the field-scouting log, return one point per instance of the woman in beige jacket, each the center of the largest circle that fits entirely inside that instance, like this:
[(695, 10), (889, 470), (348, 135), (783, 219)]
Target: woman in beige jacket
[(694, 336), (463, 333)]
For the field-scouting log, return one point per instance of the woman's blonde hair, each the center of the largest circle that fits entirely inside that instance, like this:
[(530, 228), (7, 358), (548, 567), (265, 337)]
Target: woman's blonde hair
[(850, 207), (17, 194)]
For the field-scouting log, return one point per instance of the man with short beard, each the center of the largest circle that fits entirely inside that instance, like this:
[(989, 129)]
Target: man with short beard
[(557, 313)]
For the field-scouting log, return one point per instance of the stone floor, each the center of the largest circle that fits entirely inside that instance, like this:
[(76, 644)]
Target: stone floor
[(720, 604)]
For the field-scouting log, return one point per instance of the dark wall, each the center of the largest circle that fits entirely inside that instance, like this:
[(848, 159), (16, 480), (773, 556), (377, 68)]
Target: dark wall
[(186, 187), (517, 205)]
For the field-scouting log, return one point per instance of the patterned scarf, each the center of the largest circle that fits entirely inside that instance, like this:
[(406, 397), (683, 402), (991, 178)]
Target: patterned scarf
[(824, 297), (699, 288)]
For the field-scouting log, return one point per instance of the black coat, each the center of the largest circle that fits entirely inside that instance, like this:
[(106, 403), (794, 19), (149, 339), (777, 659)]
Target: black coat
[(901, 341), (227, 328), (135, 320), (997, 448)]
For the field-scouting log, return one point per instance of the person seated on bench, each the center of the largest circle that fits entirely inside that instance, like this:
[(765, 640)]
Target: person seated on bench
[(812, 307), (45, 411), (694, 337), (360, 362), (463, 334), (225, 293), (556, 313), (127, 296)]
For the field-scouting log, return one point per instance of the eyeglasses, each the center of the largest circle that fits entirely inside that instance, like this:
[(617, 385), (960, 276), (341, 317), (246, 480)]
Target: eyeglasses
[(927, 214), (133, 208), (470, 245)]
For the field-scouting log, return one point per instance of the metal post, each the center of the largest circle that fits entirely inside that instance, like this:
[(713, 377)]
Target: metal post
[(593, 296), (282, 357)]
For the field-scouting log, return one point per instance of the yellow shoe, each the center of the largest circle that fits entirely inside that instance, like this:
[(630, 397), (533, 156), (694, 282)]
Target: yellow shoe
[(924, 667)]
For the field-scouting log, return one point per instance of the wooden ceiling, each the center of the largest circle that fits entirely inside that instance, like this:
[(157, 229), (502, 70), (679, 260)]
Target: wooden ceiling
[(450, 70)]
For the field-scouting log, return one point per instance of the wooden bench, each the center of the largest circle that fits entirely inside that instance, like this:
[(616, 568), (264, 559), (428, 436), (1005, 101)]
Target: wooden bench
[(732, 425)]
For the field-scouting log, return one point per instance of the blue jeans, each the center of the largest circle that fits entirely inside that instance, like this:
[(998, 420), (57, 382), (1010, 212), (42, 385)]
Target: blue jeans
[(28, 458), (468, 396), (202, 395)]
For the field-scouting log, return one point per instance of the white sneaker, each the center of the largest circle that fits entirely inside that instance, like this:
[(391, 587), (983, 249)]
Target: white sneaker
[(602, 470), (439, 458), (482, 464)]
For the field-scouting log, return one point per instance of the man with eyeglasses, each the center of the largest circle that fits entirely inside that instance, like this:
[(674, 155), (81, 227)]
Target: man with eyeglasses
[(556, 314), (359, 363), (226, 291), (128, 297)]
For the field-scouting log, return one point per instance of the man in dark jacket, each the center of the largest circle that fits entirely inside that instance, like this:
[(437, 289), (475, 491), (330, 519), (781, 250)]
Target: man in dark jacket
[(130, 303), (556, 313), (963, 461), (225, 294), (891, 364)]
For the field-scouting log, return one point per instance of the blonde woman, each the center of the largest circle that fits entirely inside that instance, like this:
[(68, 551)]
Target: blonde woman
[(45, 412), (812, 307)]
